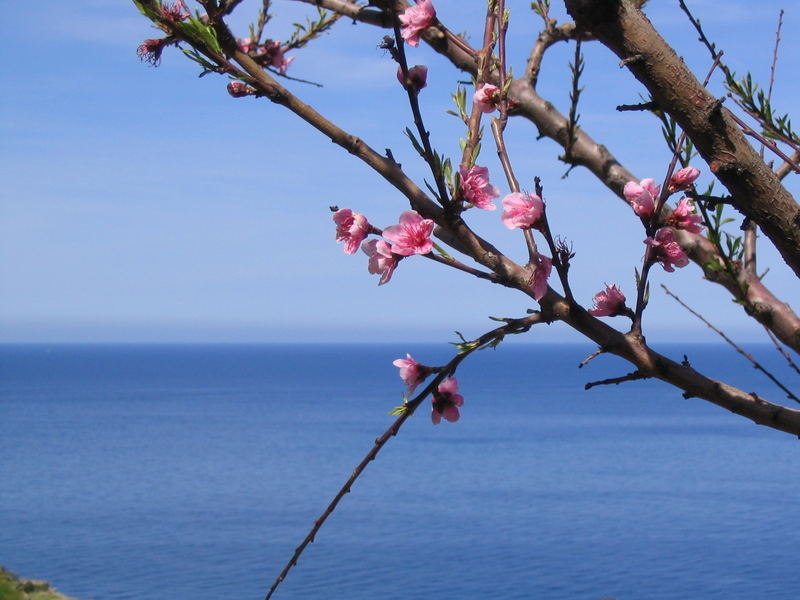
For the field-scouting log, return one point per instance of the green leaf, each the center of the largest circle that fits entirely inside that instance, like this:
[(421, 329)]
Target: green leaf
[(417, 146), (441, 251)]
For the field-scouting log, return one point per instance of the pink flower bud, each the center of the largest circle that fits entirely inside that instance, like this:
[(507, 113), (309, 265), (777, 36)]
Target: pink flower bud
[(237, 89), (682, 179), (417, 78), (642, 196), (416, 19), (246, 45)]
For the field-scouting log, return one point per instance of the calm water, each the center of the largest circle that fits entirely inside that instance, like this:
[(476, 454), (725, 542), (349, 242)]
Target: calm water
[(172, 472)]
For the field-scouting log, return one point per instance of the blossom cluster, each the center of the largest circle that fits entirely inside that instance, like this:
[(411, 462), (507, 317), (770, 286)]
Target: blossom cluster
[(270, 52), (412, 235)]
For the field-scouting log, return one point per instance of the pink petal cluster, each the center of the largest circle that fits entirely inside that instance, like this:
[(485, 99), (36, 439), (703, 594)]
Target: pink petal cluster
[(476, 187), (417, 78), (412, 235), (271, 52), (150, 51), (174, 13), (608, 302), (274, 52), (446, 401), (381, 260), (351, 228), (521, 210), (682, 179), (667, 249), (684, 217), (415, 19), (237, 89), (411, 372), (642, 196), (247, 45), (540, 277), (486, 97)]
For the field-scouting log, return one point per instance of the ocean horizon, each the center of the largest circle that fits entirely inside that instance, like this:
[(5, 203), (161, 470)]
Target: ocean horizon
[(139, 471)]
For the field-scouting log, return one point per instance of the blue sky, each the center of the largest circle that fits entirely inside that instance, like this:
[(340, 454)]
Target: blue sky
[(145, 204)]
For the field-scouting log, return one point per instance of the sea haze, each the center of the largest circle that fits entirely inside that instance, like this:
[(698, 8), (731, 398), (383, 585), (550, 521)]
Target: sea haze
[(153, 472)]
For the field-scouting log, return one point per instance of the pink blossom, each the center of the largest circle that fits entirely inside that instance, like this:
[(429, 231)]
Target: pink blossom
[(446, 401), (642, 196), (237, 89), (667, 249), (411, 372), (684, 217), (682, 179), (247, 45), (486, 97), (150, 51), (415, 19), (540, 277), (174, 13), (476, 187), (411, 236), (417, 78), (521, 210), (608, 302), (381, 260), (274, 53), (351, 228)]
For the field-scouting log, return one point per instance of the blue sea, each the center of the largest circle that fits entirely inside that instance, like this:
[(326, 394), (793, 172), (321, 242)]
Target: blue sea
[(192, 472)]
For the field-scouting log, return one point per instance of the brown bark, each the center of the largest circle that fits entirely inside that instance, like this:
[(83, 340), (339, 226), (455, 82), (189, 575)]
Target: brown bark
[(756, 191)]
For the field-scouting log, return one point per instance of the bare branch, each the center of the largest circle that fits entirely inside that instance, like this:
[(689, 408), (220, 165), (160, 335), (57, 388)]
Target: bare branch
[(738, 348), (783, 352), (633, 376), (591, 357), (514, 326)]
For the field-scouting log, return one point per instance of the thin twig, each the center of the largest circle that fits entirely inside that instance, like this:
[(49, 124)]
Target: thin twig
[(766, 142), (452, 262), (484, 62), (738, 348), (787, 167), (575, 93), (749, 255), (430, 157), (781, 349), (637, 107), (617, 380), (513, 327), (561, 268), (591, 357), (775, 55)]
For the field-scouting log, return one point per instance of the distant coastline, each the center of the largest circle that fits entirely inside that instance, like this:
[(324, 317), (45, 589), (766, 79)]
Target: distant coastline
[(13, 587)]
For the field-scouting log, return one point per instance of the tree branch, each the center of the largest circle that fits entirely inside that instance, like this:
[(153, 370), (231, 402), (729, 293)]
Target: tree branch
[(736, 347), (756, 191)]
